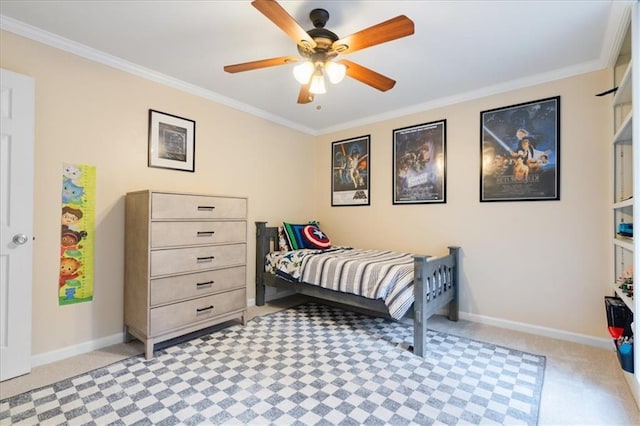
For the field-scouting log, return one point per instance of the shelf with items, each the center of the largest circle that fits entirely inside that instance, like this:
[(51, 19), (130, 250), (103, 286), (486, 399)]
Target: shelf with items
[(623, 222), (623, 261), (628, 301), (623, 176)]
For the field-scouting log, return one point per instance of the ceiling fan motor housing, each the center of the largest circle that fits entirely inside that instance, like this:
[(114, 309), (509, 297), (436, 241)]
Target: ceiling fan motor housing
[(323, 37)]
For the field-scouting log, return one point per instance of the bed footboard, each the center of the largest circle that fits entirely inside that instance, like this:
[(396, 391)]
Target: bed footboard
[(435, 286)]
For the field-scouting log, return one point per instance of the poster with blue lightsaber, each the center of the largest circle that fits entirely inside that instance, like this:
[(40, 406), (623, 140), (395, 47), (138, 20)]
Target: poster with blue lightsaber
[(520, 152)]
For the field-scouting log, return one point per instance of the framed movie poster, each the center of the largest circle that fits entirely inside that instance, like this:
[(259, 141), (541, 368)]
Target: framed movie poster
[(350, 172), (171, 142), (419, 163), (520, 152)]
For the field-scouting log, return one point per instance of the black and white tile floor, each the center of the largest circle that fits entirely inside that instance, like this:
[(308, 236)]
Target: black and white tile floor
[(306, 365)]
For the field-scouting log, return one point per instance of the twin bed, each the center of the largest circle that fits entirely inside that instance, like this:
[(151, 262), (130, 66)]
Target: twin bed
[(387, 283)]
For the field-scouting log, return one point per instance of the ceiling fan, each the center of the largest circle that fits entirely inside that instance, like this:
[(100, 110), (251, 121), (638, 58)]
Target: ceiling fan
[(319, 47)]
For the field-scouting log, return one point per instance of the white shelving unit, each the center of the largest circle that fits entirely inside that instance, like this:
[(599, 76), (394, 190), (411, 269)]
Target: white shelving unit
[(626, 179), (623, 165)]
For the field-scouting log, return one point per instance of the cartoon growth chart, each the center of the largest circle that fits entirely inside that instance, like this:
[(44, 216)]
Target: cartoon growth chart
[(75, 283)]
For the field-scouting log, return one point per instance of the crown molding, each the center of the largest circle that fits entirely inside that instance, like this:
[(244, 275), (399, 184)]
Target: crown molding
[(620, 13), (473, 95), (616, 28), (53, 40)]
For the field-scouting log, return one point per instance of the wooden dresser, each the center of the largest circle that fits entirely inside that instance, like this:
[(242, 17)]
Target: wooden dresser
[(185, 264)]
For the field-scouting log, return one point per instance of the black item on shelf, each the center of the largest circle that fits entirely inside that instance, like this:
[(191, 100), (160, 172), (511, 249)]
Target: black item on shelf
[(619, 320), (618, 314)]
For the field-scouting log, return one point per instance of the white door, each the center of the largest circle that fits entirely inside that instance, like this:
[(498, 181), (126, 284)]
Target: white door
[(17, 110)]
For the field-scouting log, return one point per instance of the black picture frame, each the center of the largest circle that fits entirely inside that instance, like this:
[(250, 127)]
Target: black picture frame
[(172, 142), (420, 163), (350, 172), (520, 152)]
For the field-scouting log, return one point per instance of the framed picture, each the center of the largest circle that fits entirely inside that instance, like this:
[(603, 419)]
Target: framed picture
[(350, 172), (172, 142), (520, 152), (419, 163)]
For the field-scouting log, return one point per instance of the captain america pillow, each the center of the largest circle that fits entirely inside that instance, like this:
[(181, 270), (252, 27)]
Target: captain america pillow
[(315, 238), (307, 235)]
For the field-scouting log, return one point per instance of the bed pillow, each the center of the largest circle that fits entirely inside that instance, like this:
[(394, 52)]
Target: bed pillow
[(306, 235), (315, 238), (283, 244)]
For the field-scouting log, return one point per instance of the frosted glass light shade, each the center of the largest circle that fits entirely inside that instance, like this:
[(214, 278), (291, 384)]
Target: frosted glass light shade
[(303, 72), (317, 86), (335, 71)]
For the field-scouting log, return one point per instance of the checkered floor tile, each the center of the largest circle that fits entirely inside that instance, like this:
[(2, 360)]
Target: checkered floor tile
[(308, 365)]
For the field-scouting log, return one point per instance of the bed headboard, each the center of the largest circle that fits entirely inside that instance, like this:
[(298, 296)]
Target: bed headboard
[(266, 238), (266, 241)]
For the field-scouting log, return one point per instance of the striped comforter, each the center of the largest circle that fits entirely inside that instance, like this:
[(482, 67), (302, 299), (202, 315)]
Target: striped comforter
[(373, 274)]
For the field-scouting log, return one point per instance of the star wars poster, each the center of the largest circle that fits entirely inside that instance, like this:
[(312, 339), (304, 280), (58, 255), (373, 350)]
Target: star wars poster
[(520, 152), (419, 163), (350, 172), (77, 229)]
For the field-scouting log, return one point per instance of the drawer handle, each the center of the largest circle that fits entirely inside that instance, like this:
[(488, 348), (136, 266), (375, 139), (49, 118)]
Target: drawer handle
[(201, 310), (205, 284), (206, 208), (205, 233), (206, 259)]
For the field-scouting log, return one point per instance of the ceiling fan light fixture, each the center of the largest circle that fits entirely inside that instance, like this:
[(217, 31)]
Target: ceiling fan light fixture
[(318, 47), (303, 72), (317, 86), (335, 71)]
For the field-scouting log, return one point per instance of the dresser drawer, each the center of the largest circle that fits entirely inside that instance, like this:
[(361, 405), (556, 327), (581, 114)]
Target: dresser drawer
[(174, 206), (181, 314), (180, 287), (179, 260), (164, 234)]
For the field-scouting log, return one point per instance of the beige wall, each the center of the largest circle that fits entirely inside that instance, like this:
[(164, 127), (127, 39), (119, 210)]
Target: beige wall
[(541, 263), (92, 114)]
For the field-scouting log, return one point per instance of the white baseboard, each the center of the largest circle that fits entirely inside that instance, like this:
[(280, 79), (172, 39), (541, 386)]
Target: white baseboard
[(82, 348), (553, 333)]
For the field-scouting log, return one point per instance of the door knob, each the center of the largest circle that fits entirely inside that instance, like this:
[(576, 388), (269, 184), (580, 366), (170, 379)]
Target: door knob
[(20, 239)]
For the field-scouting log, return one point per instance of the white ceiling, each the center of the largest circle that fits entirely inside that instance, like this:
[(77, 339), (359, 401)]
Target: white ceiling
[(460, 50)]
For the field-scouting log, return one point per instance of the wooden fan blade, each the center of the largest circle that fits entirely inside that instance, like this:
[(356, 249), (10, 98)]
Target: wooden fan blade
[(276, 14), (394, 28), (304, 97), (264, 63), (367, 76)]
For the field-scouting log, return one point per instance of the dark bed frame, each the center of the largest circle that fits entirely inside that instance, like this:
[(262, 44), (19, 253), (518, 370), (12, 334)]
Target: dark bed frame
[(435, 286)]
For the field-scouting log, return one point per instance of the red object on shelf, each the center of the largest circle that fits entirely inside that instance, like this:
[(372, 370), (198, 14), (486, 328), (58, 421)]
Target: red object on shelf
[(616, 332)]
